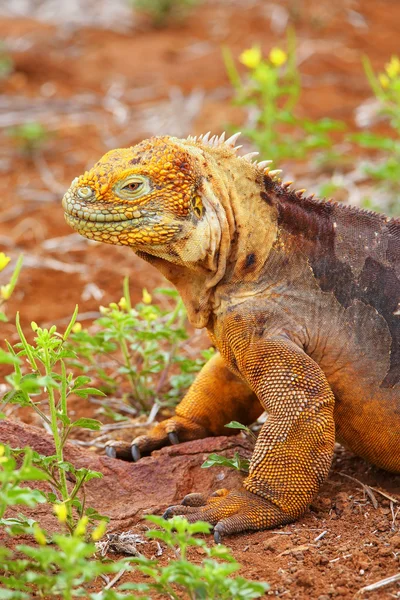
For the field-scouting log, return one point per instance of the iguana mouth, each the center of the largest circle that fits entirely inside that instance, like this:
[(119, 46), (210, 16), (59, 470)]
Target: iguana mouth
[(84, 212)]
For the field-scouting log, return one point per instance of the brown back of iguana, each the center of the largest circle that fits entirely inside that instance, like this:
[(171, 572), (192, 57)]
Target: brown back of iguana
[(332, 283)]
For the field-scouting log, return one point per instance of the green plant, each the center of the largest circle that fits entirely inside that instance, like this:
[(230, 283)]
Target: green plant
[(236, 462), (48, 380), (143, 343), (385, 169), (60, 566), (161, 12), (11, 477), (6, 63), (210, 579), (29, 137), (271, 91)]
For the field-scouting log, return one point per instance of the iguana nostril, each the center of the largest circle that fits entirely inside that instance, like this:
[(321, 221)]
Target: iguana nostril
[(85, 192)]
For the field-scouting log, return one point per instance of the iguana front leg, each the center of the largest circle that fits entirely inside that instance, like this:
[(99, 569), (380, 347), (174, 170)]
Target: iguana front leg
[(216, 397), (294, 449)]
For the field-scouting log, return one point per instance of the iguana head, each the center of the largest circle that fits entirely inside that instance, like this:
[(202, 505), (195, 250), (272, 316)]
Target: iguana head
[(174, 202)]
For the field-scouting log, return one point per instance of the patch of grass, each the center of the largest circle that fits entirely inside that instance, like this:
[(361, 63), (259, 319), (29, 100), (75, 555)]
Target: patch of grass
[(140, 344), (29, 138), (40, 376), (212, 578), (163, 12), (6, 63)]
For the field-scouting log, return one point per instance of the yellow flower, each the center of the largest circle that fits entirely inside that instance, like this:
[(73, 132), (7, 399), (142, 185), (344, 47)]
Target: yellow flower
[(251, 57), (122, 303), (393, 68), (4, 260), (39, 536), (80, 528), (100, 530), (277, 57), (384, 80), (60, 510), (76, 328), (6, 291), (3, 459), (146, 297)]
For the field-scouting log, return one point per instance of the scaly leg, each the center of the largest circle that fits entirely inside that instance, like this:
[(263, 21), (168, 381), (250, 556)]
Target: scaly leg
[(216, 397), (294, 449)]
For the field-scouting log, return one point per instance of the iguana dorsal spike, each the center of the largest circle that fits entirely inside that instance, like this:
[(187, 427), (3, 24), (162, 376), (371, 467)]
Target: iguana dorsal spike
[(264, 163), (299, 193), (287, 184), (249, 157), (222, 138), (231, 141), (275, 172), (205, 137)]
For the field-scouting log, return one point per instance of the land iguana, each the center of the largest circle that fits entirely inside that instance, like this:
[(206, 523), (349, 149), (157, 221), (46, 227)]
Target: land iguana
[(300, 297)]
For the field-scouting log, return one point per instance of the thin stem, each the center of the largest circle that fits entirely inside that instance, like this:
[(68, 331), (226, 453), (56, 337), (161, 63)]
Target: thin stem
[(63, 394), (57, 440)]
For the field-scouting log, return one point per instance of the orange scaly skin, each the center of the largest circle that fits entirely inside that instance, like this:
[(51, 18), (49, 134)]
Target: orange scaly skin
[(301, 297)]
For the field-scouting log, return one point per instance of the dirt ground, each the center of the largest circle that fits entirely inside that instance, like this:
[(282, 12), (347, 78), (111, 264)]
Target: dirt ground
[(96, 89)]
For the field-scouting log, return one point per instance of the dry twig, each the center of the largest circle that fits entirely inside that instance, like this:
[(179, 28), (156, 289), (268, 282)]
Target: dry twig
[(366, 489), (379, 584)]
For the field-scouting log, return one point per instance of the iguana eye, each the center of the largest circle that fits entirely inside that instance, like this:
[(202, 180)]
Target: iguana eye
[(133, 186)]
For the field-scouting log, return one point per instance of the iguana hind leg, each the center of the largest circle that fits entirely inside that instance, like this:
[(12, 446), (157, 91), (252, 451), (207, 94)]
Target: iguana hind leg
[(216, 397), (294, 449)]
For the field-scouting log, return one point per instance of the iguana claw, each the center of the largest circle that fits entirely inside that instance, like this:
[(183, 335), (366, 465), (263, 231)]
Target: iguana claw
[(217, 537), (135, 453), (173, 438), (117, 449), (167, 514), (111, 452)]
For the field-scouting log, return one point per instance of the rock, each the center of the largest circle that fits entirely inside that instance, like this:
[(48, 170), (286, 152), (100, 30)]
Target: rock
[(127, 490), (278, 543), (304, 578), (395, 541)]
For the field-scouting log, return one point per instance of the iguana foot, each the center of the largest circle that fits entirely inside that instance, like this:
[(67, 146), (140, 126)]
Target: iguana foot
[(230, 512), (169, 432)]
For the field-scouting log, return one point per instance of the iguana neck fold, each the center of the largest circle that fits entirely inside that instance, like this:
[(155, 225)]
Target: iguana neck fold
[(231, 247)]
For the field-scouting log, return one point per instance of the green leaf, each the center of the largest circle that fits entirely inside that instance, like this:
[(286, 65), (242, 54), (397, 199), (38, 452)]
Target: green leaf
[(25, 496), (85, 392), (86, 423), (31, 473), (238, 463), (12, 595), (16, 397), (6, 358), (236, 425)]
